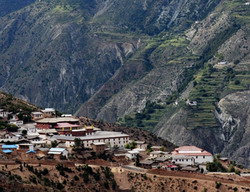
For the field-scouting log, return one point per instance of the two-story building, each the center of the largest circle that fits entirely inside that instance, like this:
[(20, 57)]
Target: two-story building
[(110, 138), (191, 155)]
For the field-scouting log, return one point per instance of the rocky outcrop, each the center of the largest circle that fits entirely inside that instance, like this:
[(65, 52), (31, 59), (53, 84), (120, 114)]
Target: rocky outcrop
[(235, 126)]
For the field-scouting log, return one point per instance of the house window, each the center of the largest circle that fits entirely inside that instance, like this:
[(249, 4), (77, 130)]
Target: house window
[(203, 157), (196, 157)]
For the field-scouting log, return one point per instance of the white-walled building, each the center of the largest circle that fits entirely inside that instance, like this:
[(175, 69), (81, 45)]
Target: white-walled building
[(186, 153), (4, 114), (58, 151), (49, 112), (110, 138), (183, 160), (37, 115), (132, 154)]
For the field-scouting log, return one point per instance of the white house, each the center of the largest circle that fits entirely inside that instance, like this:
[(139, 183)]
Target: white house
[(156, 154), (3, 113), (183, 160), (58, 151), (141, 145), (132, 154), (197, 154), (110, 138), (49, 112), (36, 115)]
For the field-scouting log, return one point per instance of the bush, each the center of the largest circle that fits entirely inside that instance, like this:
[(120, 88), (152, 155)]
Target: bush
[(106, 184), (217, 184), (237, 82), (76, 178), (97, 176), (236, 62), (231, 168), (45, 171), (88, 169), (59, 186), (12, 128), (215, 166), (46, 181), (85, 177), (62, 173)]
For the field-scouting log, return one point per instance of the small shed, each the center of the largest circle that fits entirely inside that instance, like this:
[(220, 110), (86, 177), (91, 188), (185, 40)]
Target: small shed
[(99, 147), (147, 164)]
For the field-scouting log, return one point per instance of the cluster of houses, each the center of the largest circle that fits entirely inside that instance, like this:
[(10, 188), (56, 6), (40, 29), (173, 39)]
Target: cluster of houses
[(185, 158), (35, 140)]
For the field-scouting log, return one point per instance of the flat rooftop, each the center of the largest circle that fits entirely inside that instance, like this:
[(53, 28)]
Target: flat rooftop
[(97, 135), (57, 120)]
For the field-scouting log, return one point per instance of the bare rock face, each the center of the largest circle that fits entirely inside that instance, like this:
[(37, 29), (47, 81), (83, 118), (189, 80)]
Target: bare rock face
[(173, 128), (234, 117)]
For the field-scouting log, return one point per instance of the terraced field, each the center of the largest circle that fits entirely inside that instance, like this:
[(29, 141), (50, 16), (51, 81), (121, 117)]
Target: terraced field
[(211, 85)]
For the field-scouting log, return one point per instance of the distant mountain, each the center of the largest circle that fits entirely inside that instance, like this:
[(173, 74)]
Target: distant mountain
[(70, 49), (120, 59)]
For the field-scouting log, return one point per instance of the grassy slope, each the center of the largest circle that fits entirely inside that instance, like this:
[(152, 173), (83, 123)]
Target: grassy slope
[(212, 84), (13, 104)]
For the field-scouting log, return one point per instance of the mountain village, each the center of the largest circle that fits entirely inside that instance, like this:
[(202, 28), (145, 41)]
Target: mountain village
[(56, 138)]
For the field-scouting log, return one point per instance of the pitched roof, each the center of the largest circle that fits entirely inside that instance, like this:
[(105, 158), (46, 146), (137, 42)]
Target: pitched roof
[(188, 148), (190, 151)]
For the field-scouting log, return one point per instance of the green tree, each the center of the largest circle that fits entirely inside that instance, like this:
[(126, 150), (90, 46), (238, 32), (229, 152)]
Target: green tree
[(54, 143), (78, 142), (137, 160), (24, 132), (12, 128)]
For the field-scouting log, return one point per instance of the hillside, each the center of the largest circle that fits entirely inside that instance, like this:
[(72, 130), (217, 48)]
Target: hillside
[(13, 104), (68, 177), (74, 49), (222, 36), (129, 61)]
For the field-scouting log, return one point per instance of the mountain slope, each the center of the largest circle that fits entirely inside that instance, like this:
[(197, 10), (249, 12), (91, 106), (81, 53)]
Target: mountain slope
[(71, 48), (222, 36), (113, 57)]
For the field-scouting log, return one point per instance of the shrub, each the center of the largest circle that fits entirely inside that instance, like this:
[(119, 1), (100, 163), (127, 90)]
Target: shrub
[(62, 173), (85, 177), (45, 171), (237, 82), (106, 184), (59, 186), (46, 181), (236, 62), (217, 184), (76, 178), (235, 189), (96, 176)]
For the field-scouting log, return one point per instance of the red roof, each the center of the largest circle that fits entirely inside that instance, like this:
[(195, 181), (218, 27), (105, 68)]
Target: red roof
[(190, 151), (65, 125), (188, 148)]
